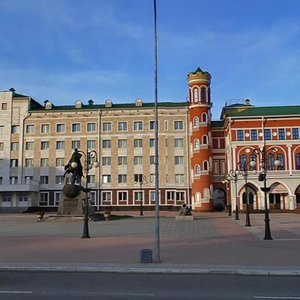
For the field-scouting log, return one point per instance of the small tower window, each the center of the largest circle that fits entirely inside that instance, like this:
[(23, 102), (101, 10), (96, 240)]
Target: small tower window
[(196, 144), (204, 117), (196, 94), (205, 165), (196, 122), (203, 94), (197, 169), (204, 139)]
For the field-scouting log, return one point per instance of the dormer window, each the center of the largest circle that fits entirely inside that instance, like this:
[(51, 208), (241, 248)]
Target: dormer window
[(78, 104), (138, 102), (108, 103), (48, 104)]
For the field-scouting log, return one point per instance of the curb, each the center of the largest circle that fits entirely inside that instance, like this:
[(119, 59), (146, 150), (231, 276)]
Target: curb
[(155, 269)]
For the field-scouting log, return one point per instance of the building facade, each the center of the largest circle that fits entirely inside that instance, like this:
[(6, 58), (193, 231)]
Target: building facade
[(195, 153)]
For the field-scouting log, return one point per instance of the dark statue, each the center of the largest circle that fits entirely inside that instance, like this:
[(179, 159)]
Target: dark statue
[(76, 173), (185, 210)]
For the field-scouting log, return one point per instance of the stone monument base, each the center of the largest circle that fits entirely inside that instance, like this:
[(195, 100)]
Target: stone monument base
[(184, 218), (71, 206)]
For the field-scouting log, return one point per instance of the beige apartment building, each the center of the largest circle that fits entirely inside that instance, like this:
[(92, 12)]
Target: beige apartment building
[(37, 141)]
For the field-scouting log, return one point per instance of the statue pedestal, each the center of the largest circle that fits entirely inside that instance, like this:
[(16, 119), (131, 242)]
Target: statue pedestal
[(71, 206)]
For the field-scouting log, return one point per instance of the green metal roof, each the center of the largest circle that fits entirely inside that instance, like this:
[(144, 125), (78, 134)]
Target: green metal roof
[(266, 111), (114, 106)]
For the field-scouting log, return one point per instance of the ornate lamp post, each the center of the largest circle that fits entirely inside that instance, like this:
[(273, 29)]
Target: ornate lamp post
[(243, 168), (90, 161), (233, 177), (263, 177)]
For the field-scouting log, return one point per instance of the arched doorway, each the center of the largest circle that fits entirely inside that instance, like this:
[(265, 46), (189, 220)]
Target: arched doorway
[(277, 196), (219, 198), (297, 193), (252, 194)]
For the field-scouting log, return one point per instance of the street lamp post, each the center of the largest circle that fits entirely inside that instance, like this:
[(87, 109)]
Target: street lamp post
[(233, 177), (263, 177), (243, 167), (141, 180), (90, 161)]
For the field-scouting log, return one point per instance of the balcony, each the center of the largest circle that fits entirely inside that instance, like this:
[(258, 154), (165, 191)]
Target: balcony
[(32, 186)]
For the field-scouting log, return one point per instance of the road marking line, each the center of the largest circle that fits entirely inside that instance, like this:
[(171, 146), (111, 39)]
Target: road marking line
[(15, 292), (283, 298)]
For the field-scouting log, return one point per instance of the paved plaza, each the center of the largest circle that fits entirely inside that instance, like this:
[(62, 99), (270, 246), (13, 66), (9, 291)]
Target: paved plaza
[(212, 241)]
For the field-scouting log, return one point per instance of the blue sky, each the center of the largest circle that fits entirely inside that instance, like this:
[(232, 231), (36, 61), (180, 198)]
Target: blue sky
[(65, 50)]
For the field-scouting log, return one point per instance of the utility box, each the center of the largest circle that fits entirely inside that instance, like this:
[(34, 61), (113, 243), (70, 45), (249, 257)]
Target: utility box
[(146, 256)]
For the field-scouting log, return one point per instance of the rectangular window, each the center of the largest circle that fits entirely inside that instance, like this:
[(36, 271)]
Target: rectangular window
[(152, 143), (122, 126), (44, 199), (14, 129), (44, 180), (122, 178), (59, 179), (153, 196), (106, 144), (91, 144), (44, 145), (29, 162), (178, 125), (106, 178), (1, 129), (138, 196), (106, 196), (91, 178), (23, 197), (1, 180), (60, 145), (297, 158), (4, 106), (60, 162), (14, 146), (152, 125), (253, 134), (122, 143), (138, 160), (178, 160), (29, 146), (152, 178), (267, 134), (106, 161), (179, 178), (45, 128), (44, 162), (138, 178), (60, 128), (122, 160), (281, 133), (240, 135), (13, 163), (57, 197), (76, 144), (122, 196), (152, 160), (180, 196), (138, 143), (170, 195), (91, 127), (106, 126), (295, 133), (76, 127), (13, 180), (178, 142), (138, 126), (30, 129), (1, 146)]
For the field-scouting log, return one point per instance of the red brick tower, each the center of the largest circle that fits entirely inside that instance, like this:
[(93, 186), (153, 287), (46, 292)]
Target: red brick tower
[(201, 141)]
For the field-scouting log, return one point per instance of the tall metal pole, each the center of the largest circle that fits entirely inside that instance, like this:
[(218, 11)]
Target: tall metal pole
[(157, 230), (85, 234), (247, 198), (236, 198), (266, 190)]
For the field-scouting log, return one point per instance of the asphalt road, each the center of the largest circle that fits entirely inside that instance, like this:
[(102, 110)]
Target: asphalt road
[(50, 285)]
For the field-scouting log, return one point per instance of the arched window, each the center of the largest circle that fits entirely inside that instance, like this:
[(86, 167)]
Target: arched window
[(205, 165), (203, 94), (196, 94), (204, 117), (196, 144), (204, 139), (196, 122), (271, 160), (197, 169), (243, 161), (209, 95), (281, 160)]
